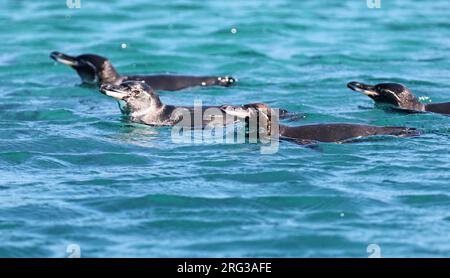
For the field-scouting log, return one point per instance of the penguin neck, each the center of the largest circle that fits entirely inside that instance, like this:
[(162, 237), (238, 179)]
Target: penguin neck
[(410, 102), (109, 74), (156, 101), (150, 112), (422, 107), (414, 105)]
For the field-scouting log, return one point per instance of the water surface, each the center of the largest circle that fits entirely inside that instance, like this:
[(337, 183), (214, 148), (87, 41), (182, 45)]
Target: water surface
[(74, 171)]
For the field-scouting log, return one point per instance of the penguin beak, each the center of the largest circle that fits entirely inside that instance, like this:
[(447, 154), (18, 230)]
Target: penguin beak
[(115, 91), (64, 59), (365, 89), (246, 110), (237, 111)]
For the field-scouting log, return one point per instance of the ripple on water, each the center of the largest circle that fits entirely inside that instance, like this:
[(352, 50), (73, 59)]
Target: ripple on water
[(73, 170)]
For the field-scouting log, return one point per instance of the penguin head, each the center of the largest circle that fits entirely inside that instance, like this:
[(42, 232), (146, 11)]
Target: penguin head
[(90, 67), (257, 114), (393, 94), (137, 95)]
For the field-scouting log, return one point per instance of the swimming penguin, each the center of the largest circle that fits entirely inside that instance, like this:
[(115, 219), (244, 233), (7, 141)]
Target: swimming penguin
[(311, 134), (399, 97), (97, 69), (143, 105)]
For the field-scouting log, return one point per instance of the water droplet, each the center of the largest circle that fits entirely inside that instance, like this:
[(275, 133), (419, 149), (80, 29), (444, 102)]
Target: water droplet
[(124, 45), (233, 30)]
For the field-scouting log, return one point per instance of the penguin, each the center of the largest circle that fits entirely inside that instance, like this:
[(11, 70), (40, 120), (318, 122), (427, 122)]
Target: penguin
[(399, 97), (96, 69)]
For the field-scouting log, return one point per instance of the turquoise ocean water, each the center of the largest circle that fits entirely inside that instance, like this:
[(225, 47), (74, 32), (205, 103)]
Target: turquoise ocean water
[(74, 171)]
